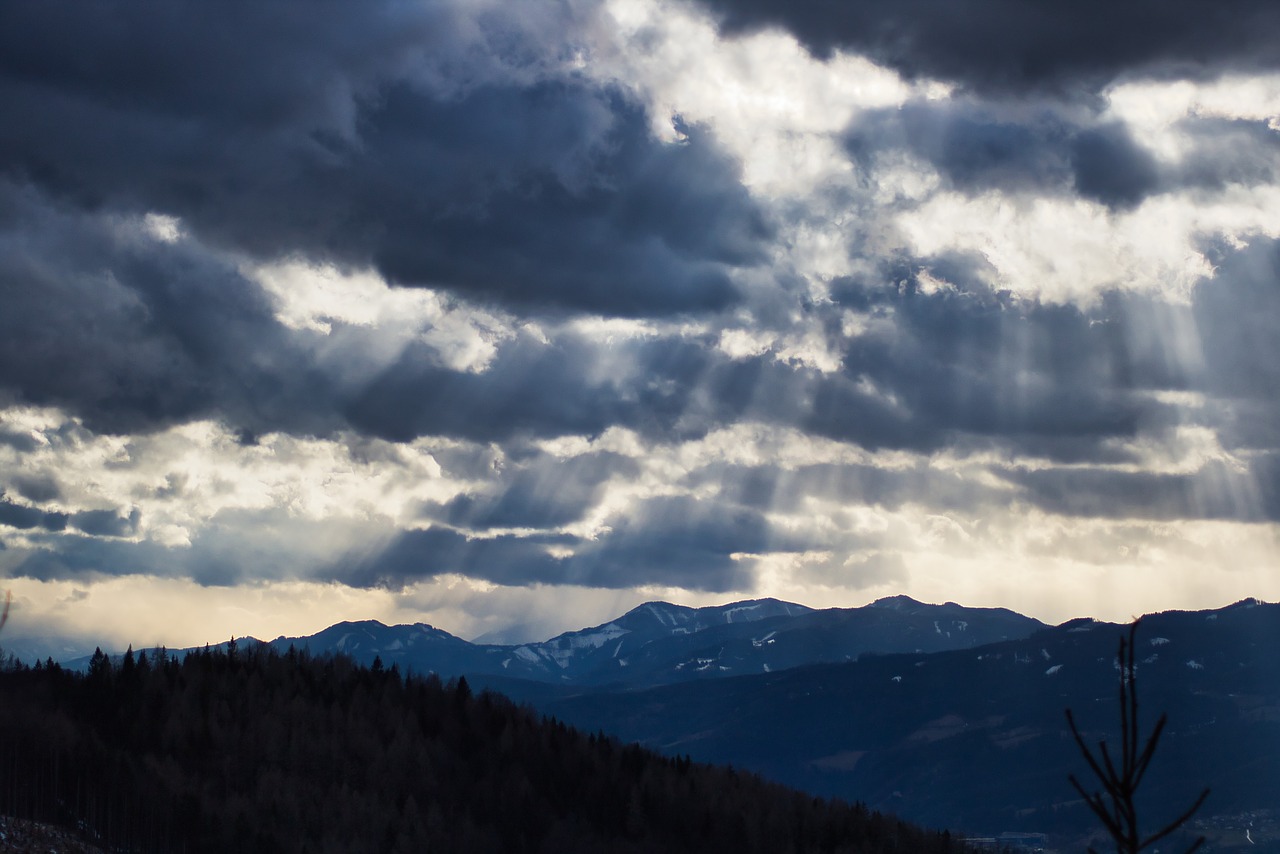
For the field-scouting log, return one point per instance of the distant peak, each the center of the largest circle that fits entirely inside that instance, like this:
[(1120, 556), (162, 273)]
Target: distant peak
[(896, 603), (1251, 602), (655, 608), (655, 603), (358, 624), (768, 600)]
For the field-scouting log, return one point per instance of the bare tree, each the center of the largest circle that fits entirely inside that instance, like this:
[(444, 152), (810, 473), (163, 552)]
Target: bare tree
[(1116, 809)]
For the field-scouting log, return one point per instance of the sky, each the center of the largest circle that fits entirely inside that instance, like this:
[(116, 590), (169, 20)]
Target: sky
[(508, 317)]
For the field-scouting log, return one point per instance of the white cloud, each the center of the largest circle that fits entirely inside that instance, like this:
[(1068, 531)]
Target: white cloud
[(182, 477), (1071, 250), (1153, 108), (315, 297)]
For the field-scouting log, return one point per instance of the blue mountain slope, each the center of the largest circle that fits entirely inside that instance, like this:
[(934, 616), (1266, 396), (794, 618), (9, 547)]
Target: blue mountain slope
[(570, 658), (976, 739)]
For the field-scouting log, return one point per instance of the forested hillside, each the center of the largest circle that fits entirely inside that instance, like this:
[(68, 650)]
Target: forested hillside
[(262, 751)]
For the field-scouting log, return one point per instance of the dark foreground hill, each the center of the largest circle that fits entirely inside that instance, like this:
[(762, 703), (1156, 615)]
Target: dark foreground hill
[(262, 751)]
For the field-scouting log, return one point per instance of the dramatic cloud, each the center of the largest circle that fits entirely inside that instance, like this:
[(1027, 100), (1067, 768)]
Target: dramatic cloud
[(1006, 45), (511, 317), (341, 134)]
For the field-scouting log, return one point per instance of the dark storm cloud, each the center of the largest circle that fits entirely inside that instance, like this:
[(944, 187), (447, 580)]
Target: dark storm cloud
[(662, 540), (72, 557), (680, 540), (968, 361), (1226, 152), (131, 333), (422, 554), (968, 365), (1010, 45), (337, 131), (39, 489), (20, 442), (535, 388), (1111, 168), (1233, 319), (232, 547), (766, 487), (1215, 491), (1265, 469), (545, 492), (973, 147), (98, 523), (1235, 315), (25, 517), (309, 135), (676, 540), (107, 523), (532, 389), (976, 150), (957, 367)]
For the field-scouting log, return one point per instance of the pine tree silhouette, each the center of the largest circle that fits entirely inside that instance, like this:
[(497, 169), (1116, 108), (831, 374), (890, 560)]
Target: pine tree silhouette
[(1120, 815)]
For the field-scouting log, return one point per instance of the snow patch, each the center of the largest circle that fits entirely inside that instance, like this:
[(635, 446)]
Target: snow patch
[(759, 642), (596, 639), (562, 649), (663, 618)]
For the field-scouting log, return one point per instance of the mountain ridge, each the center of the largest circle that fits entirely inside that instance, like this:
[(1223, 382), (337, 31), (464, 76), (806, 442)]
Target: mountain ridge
[(658, 642)]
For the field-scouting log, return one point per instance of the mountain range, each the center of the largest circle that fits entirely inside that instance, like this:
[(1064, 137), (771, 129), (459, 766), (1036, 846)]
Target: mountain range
[(946, 715), (976, 740), (659, 643)]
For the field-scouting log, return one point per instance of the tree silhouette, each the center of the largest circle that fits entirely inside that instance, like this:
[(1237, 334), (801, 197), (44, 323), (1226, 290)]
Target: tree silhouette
[(1120, 815)]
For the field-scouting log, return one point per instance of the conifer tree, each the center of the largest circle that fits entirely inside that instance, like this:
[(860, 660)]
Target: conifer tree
[(1121, 777)]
